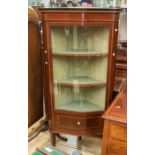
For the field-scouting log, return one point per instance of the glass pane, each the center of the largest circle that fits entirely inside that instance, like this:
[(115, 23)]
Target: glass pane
[(80, 55)]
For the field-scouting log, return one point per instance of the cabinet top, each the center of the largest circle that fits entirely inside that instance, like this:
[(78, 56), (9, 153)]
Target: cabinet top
[(118, 108), (42, 9), (80, 14)]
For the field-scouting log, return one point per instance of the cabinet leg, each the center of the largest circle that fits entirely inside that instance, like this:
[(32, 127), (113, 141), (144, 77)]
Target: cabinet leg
[(53, 139), (80, 137), (61, 137)]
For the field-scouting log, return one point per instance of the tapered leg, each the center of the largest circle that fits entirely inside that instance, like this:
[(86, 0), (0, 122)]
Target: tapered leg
[(61, 137), (80, 137), (53, 139)]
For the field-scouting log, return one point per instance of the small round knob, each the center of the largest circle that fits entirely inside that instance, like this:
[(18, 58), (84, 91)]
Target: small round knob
[(46, 62), (118, 107), (78, 123), (45, 51), (116, 30), (113, 54)]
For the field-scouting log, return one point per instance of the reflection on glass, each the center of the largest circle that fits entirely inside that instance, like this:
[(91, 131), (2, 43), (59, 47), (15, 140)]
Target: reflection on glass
[(80, 56), (67, 36), (79, 99)]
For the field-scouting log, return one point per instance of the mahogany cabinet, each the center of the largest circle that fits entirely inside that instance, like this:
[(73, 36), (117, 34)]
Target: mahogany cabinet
[(79, 58), (35, 69), (121, 61), (115, 126)]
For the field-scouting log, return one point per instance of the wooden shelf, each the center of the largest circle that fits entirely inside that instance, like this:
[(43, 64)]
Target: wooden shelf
[(82, 53), (80, 106), (81, 81)]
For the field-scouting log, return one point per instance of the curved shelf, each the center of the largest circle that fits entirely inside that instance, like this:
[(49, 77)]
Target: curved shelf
[(81, 81), (80, 106), (82, 53)]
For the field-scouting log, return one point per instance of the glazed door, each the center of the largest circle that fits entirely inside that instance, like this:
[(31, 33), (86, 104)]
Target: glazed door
[(79, 66)]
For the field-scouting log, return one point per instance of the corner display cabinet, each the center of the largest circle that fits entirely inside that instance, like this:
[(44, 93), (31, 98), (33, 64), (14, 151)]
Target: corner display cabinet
[(79, 58)]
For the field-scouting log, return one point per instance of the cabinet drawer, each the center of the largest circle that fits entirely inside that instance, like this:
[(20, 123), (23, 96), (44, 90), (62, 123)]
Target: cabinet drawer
[(118, 131), (78, 123), (116, 147)]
